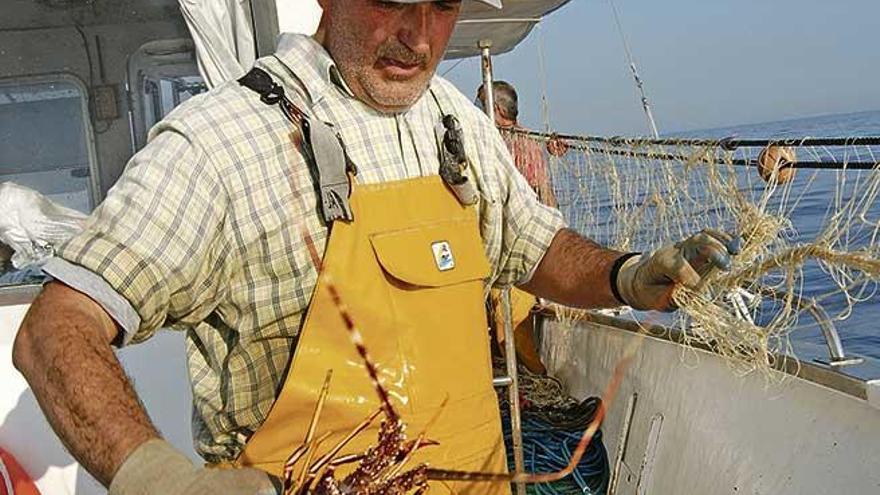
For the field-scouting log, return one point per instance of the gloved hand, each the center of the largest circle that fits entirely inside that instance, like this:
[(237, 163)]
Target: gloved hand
[(157, 468), (647, 281)]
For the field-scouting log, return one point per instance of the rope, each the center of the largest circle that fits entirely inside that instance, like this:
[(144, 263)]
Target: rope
[(552, 425), (542, 69), (447, 71), (724, 143), (646, 106), (547, 448)]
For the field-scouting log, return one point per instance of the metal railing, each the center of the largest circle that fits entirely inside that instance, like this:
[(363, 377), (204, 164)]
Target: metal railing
[(836, 355)]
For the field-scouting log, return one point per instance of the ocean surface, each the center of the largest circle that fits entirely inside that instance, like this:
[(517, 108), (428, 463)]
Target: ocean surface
[(860, 329)]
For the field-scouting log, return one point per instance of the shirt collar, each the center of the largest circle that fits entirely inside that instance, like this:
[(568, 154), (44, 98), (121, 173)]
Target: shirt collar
[(312, 65)]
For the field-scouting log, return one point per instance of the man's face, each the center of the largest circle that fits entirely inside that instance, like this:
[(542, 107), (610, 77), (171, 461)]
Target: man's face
[(500, 119), (387, 52)]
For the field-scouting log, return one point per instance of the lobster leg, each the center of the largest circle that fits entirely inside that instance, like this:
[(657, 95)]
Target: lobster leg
[(310, 435), (409, 448), (329, 456), (414, 479), (305, 477)]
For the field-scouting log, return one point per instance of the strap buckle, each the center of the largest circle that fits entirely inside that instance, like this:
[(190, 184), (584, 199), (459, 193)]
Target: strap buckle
[(332, 164)]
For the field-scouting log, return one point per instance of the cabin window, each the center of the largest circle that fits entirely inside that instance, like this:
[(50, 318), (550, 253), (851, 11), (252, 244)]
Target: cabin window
[(161, 95), (162, 75), (45, 145), (44, 141)]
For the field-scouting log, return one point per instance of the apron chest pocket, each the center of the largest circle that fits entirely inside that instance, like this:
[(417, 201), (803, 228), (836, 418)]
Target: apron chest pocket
[(433, 255)]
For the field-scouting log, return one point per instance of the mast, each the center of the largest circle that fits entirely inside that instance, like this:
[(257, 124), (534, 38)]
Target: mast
[(510, 380), (486, 67)]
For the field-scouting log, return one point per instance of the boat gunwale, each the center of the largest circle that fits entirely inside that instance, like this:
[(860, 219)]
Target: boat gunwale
[(857, 381), (18, 294)]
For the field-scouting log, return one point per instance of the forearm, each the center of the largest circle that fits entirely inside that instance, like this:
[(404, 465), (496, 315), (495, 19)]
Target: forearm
[(63, 350), (575, 271)]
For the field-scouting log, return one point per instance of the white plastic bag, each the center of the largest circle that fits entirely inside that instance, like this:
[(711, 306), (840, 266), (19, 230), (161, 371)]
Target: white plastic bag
[(32, 225)]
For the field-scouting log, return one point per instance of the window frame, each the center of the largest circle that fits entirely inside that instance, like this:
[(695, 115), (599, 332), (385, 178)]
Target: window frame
[(25, 292), (135, 73), (88, 131)]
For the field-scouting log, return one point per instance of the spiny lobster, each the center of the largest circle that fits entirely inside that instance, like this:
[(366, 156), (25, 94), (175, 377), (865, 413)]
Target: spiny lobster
[(381, 469)]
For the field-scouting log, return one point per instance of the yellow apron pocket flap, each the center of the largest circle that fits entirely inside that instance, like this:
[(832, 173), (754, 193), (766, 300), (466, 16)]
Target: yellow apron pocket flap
[(433, 255)]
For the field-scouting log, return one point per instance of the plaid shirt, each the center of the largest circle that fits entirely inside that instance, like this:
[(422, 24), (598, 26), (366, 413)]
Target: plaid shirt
[(203, 231)]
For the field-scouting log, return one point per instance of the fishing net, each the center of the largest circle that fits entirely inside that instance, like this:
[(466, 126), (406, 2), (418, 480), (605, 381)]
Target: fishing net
[(806, 211)]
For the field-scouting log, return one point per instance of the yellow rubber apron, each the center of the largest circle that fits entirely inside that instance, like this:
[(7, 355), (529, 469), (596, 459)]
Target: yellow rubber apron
[(410, 267), (521, 305)]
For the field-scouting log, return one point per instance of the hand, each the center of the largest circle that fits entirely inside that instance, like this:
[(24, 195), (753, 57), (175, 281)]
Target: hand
[(157, 468), (646, 282)]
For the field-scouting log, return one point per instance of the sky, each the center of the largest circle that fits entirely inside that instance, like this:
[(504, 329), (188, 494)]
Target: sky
[(704, 63)]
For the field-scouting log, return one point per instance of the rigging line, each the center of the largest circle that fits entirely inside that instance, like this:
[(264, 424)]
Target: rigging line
[(646, 106), (545, 104), (447, 71), (91, 83), (726, 143), (747, 162)]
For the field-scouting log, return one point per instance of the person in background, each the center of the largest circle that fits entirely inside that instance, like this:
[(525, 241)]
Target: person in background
[(527, 153)]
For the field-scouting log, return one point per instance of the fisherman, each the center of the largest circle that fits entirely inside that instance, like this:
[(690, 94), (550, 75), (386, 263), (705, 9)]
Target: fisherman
[(211, 229)]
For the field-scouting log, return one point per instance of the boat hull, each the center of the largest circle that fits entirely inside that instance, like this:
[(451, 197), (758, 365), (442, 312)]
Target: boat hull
[(684, 422)]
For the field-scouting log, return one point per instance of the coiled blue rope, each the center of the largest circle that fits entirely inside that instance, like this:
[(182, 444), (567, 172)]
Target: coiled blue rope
[(549, 438)]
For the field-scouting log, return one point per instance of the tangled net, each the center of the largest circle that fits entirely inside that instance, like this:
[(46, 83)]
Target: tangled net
[(810, 237)]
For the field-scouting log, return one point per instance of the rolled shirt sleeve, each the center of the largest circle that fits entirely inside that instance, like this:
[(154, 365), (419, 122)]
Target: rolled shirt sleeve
[(98, 289), (157, 240)]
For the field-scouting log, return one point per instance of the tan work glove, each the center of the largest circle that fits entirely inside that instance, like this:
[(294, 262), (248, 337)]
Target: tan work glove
[(647, 281), (157, 468)]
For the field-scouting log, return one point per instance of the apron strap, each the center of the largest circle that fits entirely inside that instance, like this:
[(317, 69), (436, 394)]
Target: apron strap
[(322, 145)]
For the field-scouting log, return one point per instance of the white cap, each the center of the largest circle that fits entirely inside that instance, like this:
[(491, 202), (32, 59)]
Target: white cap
[(493, 3)]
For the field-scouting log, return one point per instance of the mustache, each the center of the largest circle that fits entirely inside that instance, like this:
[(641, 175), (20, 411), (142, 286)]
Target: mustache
[(395, 50)]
